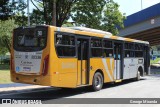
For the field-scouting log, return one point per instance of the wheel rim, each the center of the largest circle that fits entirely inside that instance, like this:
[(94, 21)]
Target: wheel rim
[(98, 81)]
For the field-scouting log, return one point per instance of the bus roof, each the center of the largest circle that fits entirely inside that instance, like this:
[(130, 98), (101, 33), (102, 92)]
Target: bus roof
[(96, 33)]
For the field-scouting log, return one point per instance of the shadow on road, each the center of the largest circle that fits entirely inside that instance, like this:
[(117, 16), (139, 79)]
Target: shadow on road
[(46, 95), (124, 82)]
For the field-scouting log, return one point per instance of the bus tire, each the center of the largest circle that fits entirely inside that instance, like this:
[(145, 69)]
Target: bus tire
[(138, 76), (97, 82)]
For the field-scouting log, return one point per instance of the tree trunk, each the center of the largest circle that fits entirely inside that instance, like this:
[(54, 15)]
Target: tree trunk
[(54, 13)]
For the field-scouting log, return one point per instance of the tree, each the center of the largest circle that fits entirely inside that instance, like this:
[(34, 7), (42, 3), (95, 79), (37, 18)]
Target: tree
[(45, 11), (6, 28), (98, 14), (88, 13), (37, 17), (3, 50), (20, 18), (5, 10), (113, 18), (13, 9)]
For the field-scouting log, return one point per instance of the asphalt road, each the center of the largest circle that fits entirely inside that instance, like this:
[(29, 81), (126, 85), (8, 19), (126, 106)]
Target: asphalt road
[(147, 87)]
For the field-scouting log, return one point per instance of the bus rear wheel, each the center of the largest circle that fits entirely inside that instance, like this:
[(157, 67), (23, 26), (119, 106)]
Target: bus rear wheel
[(97, 82), (138, 76)]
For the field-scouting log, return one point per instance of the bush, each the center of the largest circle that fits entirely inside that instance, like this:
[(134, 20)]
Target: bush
[(6, 61)]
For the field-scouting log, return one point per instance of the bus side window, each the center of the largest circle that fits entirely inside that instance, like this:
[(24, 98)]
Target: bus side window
[(139, 50), (96, 47), (65, 45), (129, 49), (107, 48), (108, 52)]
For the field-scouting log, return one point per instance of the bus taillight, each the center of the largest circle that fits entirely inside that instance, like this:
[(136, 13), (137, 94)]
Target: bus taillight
[(45, 65)]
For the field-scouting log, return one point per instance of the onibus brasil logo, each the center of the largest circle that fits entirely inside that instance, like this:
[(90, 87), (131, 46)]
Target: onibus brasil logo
[(17, 101)]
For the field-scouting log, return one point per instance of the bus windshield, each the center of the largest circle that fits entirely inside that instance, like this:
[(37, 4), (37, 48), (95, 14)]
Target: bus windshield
[(29, 39)]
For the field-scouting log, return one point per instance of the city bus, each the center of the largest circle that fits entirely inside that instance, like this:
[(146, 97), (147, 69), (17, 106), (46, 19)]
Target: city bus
[(75, 57)]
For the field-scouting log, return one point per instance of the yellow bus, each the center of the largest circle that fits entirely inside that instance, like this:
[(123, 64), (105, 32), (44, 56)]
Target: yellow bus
[(75, 57)]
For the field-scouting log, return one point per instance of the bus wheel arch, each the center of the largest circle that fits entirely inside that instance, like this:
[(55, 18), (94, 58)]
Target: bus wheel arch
[(97, 80), (139, 73), (140, 70)]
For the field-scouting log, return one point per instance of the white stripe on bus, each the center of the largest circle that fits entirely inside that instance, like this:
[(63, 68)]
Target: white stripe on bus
[(106, 68)]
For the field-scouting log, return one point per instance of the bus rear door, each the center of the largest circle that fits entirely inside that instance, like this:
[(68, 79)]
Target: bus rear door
[(83, 61), (118, 57)]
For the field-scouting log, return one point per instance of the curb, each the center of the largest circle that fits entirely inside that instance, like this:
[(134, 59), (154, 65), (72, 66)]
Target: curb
[(26, 89)]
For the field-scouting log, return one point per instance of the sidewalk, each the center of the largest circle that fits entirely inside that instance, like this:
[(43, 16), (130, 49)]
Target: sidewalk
[(13, 85), (16, 87)]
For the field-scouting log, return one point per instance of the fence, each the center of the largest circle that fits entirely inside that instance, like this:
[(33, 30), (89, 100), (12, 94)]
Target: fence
[(4, 59)]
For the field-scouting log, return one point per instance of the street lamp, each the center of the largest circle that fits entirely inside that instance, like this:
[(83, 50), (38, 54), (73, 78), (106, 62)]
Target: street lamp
[(28, 12)]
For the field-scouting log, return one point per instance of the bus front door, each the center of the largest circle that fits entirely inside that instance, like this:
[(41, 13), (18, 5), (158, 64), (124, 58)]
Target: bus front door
[(83, 61), (118, 61)]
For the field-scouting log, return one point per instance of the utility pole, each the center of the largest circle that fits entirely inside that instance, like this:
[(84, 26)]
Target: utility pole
[(28, 12), (141, 4), (54, 13)]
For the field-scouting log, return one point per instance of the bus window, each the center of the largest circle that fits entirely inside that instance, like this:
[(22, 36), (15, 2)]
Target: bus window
[(138, 53), (42, 42), (65, 39), (129, 53), (65, 51), (26, 38), (107, 48), (65, 45), (139, 50), (96, 52), (129, 49), (138, 47), (30, 41), (96, 45), (108, 53), (107, 44)]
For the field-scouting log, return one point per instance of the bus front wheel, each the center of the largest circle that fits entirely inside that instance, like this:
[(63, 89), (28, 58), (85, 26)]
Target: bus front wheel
[(138, 76), (97, 82)]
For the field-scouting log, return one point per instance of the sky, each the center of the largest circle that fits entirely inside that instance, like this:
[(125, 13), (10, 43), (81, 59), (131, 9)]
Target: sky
[(132, 6), (128, 6)]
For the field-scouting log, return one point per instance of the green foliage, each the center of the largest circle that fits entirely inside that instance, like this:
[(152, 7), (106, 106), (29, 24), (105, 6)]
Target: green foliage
[(20, 18), (113, 18), (88, 13), (68, 24), (44, 12), (98, 14), (156, 61), (5, 10), (6, 28), (3, 50), (9, 8), (4, 66), (37, 18)]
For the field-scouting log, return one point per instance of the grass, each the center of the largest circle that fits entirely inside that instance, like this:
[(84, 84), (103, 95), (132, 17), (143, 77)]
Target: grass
[(5, 77), (155, 61), (4, 74)]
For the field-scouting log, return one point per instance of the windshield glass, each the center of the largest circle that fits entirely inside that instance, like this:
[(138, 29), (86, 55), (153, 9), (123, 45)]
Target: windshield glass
[(30, 39)]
